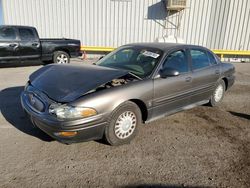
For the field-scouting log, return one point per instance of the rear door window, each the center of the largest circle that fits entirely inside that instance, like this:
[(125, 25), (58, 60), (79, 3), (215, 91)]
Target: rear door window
[(199, 59), (7, 33), (27, 34)]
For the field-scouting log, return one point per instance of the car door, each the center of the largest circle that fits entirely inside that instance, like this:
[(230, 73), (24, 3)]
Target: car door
[(9, 45), (205, 73), (172, 93), (30, 47)]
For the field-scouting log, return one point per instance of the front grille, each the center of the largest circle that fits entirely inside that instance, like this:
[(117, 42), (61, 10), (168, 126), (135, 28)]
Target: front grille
[(36, 103)]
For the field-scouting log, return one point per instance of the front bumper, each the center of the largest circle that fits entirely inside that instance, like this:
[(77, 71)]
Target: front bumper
[(91, 128)]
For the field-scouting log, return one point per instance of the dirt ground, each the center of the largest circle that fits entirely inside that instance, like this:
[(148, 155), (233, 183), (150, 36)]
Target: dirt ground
[(201, 147)]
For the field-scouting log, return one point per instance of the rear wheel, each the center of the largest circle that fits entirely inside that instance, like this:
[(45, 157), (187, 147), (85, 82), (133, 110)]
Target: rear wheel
[(218, 94), (61, 57), (123, 124)]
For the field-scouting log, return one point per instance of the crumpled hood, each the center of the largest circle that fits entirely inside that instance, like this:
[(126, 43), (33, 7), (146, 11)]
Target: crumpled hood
[(65, 83)]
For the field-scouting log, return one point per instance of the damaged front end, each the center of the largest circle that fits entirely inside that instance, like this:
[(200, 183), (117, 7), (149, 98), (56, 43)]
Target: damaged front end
[(116, 82), (66, 83)]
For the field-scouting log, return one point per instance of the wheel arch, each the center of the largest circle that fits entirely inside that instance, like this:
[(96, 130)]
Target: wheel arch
[(225, 81), (143, 108), (61, 49)]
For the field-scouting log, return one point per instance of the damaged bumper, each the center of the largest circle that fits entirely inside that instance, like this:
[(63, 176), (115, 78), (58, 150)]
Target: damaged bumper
[(72, 131)]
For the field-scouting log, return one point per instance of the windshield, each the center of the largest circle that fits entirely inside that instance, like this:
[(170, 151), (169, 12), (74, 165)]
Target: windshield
[(140, 61)]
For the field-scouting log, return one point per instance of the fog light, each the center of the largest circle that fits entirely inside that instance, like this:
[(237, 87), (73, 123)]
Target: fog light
[(66, 134)]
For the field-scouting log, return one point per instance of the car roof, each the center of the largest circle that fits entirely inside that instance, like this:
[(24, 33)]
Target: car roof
[(17, 26), (164, 46)]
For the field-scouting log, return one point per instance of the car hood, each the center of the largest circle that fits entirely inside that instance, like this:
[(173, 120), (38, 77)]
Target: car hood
[(65, 83)]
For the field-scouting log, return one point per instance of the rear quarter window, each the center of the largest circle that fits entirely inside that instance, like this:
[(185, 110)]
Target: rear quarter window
[(212, 59)]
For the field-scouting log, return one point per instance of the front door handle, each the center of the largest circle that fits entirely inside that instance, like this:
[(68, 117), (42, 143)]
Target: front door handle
[(217, 72), (35, 44), (13, 45), (188, 79)]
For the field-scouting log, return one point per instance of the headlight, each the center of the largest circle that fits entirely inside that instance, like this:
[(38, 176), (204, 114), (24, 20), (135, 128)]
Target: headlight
[(71, 112)]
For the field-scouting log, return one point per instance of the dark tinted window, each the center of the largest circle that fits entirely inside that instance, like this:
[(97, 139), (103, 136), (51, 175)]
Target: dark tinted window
[(178, 61), (27, 34), (7, 33), (211, 58), (199, 59)]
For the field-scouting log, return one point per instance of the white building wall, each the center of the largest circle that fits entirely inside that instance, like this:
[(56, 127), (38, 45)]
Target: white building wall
[(216, 24)]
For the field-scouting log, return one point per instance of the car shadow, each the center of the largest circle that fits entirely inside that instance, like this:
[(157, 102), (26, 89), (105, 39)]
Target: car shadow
[(241, 115), (11, 109)]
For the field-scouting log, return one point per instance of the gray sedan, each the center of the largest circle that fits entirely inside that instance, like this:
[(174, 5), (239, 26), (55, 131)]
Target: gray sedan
[(136, 83)]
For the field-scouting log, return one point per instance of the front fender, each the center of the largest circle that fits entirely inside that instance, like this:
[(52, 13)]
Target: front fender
[(105, 101)]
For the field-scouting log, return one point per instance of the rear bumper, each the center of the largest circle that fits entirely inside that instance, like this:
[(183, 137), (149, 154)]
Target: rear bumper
[(75, 54), (87, 129)]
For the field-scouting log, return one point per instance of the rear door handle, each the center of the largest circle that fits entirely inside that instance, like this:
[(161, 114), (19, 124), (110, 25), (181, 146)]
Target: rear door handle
[(188, 79)]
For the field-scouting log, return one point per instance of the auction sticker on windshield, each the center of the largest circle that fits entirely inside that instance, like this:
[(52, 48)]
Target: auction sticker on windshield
[(151, 54)]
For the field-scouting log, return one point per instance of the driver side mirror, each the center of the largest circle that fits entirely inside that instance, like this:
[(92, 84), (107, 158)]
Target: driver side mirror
[(168, 72)]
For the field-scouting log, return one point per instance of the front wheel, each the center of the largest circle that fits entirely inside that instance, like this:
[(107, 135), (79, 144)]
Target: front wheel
[(218, 93), (123, 124), (61, 57)]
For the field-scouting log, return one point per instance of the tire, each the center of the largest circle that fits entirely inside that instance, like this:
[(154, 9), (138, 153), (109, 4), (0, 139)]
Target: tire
[(218, 94), (61, 57), (123, 124)]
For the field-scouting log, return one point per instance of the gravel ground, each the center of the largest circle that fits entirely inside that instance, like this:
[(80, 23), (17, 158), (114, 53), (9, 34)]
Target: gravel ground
[(201, 147)]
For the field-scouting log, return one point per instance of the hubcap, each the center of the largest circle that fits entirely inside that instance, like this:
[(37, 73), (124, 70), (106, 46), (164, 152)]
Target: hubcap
[(125, 124), (218, 93), (62, 59)]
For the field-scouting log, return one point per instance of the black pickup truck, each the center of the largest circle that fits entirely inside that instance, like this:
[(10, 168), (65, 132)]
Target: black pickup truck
[(21, 44)]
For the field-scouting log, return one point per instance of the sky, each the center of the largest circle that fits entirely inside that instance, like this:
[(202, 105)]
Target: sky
[(1, 13)]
